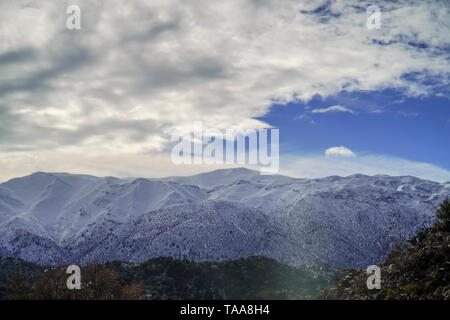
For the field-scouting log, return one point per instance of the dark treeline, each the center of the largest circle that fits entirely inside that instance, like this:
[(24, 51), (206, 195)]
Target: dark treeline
[(167, 278)]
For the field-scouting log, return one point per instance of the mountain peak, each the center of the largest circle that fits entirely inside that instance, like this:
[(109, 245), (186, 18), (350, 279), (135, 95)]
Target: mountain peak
[(211, 179)]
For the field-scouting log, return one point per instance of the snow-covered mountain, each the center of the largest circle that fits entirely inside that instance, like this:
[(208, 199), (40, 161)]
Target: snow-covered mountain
[(53, 218)]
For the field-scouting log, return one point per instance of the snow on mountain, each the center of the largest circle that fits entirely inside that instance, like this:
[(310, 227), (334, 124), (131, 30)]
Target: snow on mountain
[(53, 218), (221, 177), (64, 205), (209, 230)]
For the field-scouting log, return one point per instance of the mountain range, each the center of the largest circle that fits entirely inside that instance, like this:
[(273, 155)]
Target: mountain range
[(60, 218)]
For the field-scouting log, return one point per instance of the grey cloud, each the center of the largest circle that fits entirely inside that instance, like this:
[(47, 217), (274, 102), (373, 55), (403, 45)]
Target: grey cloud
[(153, 32), (63, 62), (37, 137), (17, 56), (7, 121)]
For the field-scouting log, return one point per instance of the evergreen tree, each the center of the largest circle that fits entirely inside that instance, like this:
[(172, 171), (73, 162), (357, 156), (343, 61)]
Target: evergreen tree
[(443, 215)]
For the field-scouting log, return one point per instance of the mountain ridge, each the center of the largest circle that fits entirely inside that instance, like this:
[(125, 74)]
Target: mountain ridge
[(344, 221)]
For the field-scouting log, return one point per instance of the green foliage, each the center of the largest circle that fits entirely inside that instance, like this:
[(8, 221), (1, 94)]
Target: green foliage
[(391, 294), (443, 216), (411, 288), (167, 278), (249, 278), (99, 282), (15, 267)]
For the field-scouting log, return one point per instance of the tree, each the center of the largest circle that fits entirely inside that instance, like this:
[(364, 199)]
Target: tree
[(18, 287), (443, 215), (99, 282)]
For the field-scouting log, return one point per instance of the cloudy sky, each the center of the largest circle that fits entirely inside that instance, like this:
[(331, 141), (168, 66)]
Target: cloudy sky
[(105, 99)]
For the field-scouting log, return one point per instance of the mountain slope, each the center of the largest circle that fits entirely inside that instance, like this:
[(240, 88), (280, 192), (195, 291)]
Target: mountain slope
[(55, 218), (420, 270)]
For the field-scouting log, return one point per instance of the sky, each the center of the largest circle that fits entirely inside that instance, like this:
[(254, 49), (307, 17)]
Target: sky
[(105, 99)]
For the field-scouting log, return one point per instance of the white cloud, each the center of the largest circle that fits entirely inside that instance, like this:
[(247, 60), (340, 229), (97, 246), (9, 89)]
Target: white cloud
[(322, 166), (138, 70), (183, 61), (408, 114), (339, 151), (336, 108)]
